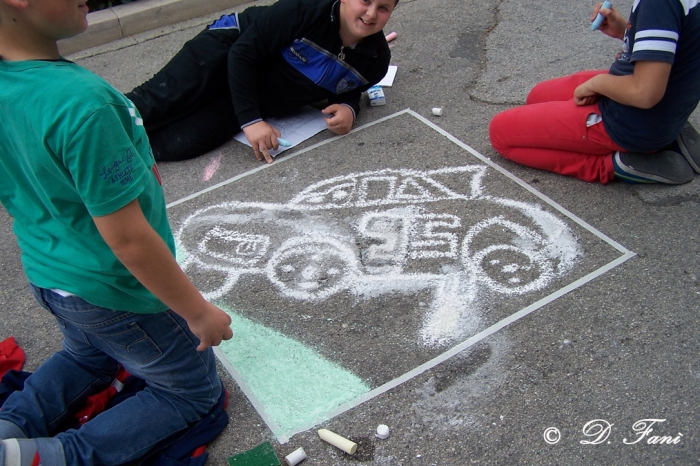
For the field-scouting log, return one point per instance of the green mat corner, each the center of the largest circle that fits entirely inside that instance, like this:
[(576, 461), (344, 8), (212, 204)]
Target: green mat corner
[(262, 455)]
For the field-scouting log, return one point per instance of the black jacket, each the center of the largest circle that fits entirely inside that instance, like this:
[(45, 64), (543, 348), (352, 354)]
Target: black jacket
[(287, 57)]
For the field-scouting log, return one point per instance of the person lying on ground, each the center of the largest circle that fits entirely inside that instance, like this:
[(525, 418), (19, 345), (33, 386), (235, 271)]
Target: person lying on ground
[(266, 61)]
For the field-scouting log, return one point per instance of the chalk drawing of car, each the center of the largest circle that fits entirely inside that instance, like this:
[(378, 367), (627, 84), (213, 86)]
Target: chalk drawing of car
[(384, 231)]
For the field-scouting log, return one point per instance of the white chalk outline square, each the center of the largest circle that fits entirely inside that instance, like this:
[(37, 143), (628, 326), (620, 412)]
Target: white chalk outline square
[(283, 437)]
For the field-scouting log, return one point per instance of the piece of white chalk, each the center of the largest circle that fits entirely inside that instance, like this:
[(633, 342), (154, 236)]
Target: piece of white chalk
[(382, 431), (283, 142), (295, 457), (348, 446), (391, 36), (437, 111)]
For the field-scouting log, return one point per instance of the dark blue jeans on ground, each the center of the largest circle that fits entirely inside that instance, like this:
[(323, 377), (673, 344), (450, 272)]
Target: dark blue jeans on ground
[(186, 107), (182, 384)]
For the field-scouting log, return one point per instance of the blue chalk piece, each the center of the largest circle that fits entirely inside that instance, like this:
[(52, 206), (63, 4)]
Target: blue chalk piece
[(599, 19), (283, 142)]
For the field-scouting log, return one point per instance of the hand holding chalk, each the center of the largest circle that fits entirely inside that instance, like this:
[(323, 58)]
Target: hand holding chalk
[(283, 142), (599, 18)]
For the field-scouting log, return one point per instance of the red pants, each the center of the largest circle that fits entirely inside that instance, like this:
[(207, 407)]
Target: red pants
[(550, 132)]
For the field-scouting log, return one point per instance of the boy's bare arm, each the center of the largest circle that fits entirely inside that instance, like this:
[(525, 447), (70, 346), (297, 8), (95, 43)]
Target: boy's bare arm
[(143, 252), (643, 89)]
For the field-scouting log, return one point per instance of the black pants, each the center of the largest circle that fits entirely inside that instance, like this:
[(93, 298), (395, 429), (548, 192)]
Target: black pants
[(186, 107)]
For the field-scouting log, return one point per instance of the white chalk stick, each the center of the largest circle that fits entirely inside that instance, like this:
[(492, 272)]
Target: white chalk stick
[(295, 457), (348, 446), (437, 111)]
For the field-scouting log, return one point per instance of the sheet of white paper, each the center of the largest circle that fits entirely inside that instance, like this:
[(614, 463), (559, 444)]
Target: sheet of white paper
[(295, 128), (388, 79)]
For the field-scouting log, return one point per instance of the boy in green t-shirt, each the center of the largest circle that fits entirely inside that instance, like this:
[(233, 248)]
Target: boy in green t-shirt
[(82, 185)]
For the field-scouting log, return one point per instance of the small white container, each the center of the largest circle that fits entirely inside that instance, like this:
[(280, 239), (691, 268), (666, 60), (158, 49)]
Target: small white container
[(295, 457), (382, 431), (376, 96)]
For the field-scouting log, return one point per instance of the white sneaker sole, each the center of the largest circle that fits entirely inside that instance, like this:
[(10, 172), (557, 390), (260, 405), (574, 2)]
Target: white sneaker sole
[(13, 454)]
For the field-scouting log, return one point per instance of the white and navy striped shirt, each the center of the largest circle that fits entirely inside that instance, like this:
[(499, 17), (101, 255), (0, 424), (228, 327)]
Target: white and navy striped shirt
[(662, 31)]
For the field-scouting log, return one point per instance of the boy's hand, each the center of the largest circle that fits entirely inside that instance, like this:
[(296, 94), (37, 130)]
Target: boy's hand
[(263, 137), (340, 120), (584, 95), (614, 24), (211, 326)]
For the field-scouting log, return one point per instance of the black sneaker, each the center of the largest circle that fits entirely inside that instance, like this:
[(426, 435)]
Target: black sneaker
[(666, 167), (689, 143)]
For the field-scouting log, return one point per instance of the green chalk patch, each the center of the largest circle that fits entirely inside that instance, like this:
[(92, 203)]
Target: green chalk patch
[(262, 455), (296, 385), (180, 253)]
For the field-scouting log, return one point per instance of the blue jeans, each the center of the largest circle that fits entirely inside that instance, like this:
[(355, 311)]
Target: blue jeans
[(182, 384)]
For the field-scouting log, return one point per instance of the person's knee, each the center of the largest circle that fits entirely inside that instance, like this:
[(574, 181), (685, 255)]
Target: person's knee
[(539, 93), (497, 128)]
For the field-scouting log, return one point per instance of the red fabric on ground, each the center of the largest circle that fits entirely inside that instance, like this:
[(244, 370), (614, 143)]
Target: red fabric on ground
[(94, 405), (97, 403), (11, 356)]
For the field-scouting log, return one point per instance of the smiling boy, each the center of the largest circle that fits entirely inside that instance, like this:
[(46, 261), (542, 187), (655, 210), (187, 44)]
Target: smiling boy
[(265, 62)]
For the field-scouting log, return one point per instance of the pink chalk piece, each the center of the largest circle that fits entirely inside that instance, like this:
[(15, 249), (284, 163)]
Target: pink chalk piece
[(391, 36), (211, 168)]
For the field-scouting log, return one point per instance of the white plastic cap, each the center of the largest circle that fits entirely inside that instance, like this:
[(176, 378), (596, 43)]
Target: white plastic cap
[(382, 431)]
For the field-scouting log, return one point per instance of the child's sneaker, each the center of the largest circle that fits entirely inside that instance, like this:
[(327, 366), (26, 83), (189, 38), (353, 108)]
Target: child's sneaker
[(666, 167), (689, 144), (19, 453)]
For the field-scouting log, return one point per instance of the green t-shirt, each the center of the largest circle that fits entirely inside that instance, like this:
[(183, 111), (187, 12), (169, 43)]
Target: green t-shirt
[(73, 147)]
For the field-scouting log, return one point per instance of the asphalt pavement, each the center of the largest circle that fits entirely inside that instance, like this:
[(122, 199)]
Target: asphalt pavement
[(407, 275)]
